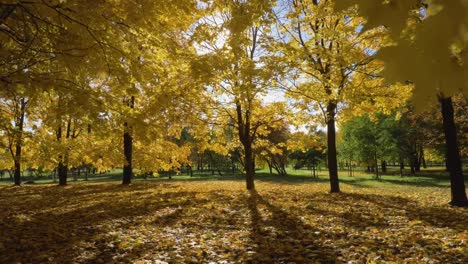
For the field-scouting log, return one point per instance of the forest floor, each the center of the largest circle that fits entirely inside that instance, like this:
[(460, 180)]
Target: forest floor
[(216, 221)]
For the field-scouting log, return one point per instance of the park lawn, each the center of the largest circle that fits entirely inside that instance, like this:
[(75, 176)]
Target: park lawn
[(220, 222)]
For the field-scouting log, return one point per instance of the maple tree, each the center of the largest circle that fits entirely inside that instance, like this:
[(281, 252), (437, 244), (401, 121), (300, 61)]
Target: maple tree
[(127, 45), (237, 63), (154, 88), (307, 149), (330, 66), (429, 50)]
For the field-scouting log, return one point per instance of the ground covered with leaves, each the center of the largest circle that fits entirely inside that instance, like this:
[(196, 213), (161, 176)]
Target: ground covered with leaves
[(221, 222)]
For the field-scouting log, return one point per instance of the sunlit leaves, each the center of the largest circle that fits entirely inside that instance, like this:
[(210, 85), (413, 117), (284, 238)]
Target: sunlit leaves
[(428, 52)]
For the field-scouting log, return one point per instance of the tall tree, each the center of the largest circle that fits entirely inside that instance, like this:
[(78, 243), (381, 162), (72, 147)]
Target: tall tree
[(330, 65), (237, 57), (429, 49)]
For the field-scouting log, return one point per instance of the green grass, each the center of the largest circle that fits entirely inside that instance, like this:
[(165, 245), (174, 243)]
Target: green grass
[(433, 176)]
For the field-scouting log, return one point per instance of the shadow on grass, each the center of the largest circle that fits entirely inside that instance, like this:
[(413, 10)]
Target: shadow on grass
[(49, 225), (426, 179), (361, 215), (437, 216), (282, 238)]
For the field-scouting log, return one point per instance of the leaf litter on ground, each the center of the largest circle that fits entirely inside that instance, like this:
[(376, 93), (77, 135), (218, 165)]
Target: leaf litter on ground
[(221, 222)]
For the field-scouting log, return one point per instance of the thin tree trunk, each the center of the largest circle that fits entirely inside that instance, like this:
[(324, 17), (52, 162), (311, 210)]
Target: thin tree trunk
[(457, 183), (377, 176), (422, 158), (19, 141), (384, 166), (350, 169), (63, 164), (246, 139), (75, 173), (86, 173), (331, 153), (128, 148), (402, 166), (270, 167)]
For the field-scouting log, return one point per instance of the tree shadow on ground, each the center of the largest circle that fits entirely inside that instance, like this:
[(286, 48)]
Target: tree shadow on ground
[(48, 226), (281, 237), (373, 210), (437, 216)]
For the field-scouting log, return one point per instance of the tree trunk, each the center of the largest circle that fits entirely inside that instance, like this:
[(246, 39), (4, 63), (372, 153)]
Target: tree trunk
[(62, 173), (17, 174), (331, 147), (249, 167), (350, 170), (377, 176), (190, 171), (63, 161), (422, 160), (417, 163), (270, 167), (86, 173), (384, 166), (19, 141), (246, 139), (128, 148), (457, 183)]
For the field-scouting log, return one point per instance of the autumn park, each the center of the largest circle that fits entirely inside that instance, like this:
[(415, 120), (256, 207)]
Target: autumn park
[(233, 131)]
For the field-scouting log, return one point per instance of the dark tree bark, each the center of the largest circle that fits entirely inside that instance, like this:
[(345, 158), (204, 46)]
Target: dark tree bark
[(376, 162), (246, 138), (417, 163), (62, 173), (348, 166), (190, 171), (63, 163), (86, 173), (454, 164), (331, 146), (249, 167), (412, 168), (19, 140), (384, 166), (128, 148), (270, 167), (422, 159)]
